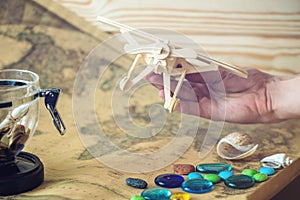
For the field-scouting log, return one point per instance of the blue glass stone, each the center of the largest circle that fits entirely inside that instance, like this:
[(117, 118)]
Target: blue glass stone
[(267, 170), (225, 174), (169, 180), (213, 168), (197, 186), (194, 175), (136, 183), (239, 181), (156, 194)]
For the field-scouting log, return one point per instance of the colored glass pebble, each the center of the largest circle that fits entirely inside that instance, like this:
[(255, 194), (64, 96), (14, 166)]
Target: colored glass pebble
[(137, 198), (136, 183), (156, 194), (180, 196), (169, 180), (267, 170), (239, 181), (249, 172), (225, 174), (213, 168), (260, 177), (197, 186), (194, 175), (183, 169), (214, 178)]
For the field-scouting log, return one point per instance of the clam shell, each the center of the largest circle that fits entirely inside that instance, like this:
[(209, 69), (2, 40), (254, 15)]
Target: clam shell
[(276, 161), (236, 146)]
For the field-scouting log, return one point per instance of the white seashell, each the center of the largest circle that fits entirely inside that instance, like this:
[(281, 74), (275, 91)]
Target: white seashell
[(276, 161), (236, 146)]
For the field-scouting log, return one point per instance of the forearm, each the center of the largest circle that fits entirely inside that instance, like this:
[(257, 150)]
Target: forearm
[(285, 97)]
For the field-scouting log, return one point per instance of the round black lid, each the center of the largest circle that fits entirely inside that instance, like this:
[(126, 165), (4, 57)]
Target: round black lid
[(22, 174)]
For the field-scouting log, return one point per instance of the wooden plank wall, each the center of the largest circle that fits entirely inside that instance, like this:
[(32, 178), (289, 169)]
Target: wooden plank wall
[(259, 33)]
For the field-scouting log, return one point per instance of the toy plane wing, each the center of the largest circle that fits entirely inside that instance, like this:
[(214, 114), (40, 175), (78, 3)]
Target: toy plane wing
[(164, 57)]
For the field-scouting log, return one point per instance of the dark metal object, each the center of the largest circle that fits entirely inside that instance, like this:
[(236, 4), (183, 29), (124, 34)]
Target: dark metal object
[(51, 97)]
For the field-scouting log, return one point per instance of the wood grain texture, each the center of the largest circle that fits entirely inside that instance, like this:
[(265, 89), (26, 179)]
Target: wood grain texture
[(261, 34)]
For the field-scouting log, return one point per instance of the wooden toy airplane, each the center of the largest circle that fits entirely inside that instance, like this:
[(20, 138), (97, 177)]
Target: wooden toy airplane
[(166, 58)]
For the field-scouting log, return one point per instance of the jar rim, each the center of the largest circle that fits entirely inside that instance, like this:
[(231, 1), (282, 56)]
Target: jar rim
[(33, 75)]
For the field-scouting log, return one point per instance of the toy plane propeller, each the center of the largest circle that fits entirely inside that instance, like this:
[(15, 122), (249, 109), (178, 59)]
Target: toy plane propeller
[(166, 58)]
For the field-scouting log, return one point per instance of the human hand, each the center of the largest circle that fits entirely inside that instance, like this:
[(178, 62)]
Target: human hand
[(233, 99)]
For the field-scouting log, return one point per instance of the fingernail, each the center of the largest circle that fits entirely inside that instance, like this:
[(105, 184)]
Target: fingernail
[(161, 94)]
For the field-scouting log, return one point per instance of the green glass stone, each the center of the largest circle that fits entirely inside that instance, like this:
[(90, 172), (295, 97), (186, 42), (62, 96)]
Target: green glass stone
[(214, 178), (239, 181), (213, 168), (137, 198), (249, 172), (260, 177)]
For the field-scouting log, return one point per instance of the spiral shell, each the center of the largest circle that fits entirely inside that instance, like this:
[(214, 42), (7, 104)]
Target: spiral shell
[(276, 161), (17, 138), (236, 146)]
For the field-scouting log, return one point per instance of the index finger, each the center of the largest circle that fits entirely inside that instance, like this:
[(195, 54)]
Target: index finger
[(205, 77)]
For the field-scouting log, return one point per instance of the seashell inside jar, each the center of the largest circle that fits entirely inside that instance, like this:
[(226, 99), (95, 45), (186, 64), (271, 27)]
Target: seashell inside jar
[(236, 146)]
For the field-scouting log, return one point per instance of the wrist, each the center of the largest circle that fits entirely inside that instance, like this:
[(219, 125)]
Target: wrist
[(284, 97)]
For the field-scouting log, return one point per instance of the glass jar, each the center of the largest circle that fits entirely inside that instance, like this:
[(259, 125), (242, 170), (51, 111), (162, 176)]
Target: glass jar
[(19, 110), (19, 113)]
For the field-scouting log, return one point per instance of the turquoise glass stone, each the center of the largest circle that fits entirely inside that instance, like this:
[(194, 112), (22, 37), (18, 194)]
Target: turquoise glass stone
[(225, 174), (239, 181), (197, 186), (267, 170), (213, 168), (194, 175), (156, 194), (169, 180)]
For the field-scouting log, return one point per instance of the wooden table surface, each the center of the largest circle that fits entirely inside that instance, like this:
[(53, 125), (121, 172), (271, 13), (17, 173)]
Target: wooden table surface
[(261, 33), (45, 37)]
